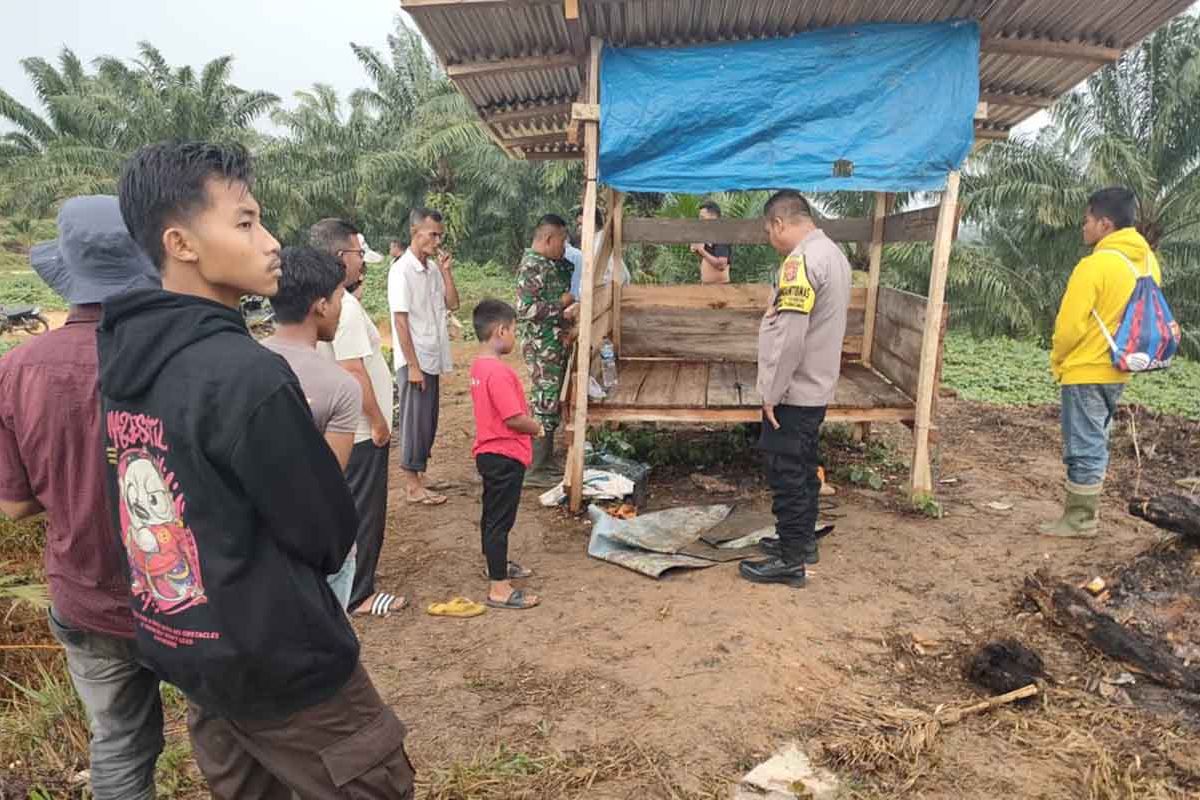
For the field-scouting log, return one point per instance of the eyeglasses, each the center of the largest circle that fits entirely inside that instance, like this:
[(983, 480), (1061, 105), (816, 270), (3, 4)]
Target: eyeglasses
[(359, 253)]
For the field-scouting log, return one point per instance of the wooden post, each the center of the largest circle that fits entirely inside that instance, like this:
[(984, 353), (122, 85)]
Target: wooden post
[(583, 344), (922, 474), (616, 213), (876, 255)]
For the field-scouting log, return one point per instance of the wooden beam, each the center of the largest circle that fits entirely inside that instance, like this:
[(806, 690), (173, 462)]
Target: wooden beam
[(571, 9), (730, 416), (876, 261), (981, 110), (475, 69), (585, 112), (527, 113), (910, 226), (583, 345), (922, 474), (991, 135), (1017, 100), (1049, 48), (537, 140), (557, 155), (616, 215)]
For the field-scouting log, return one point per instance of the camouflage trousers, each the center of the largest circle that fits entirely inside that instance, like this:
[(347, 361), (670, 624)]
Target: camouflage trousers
[(546, 357)]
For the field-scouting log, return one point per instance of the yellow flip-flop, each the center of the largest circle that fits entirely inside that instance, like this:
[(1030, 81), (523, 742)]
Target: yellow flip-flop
[(457, 607)]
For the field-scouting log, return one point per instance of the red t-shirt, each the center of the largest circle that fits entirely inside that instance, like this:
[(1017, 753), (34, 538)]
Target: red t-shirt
[(497, 395)]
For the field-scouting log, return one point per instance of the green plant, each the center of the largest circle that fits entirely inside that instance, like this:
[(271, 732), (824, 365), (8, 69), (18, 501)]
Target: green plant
[(44, 725), (861, 475), (927, 504)]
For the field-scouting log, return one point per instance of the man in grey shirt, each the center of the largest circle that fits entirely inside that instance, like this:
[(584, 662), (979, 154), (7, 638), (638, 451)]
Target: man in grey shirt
[(307, 309), (799, 361)]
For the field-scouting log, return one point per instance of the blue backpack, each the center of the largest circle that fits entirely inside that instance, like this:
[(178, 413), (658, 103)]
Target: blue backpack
[(1149, 335)]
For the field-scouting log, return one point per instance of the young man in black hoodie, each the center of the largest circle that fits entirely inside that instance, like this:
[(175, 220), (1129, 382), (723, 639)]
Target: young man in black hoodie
[(231, 509)]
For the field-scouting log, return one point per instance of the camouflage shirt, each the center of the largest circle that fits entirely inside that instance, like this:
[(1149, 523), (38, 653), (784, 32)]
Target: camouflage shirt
[(541, 283)]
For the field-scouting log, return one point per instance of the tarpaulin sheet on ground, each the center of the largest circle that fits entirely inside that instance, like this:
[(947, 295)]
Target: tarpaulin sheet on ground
[(880, 107), (650, 543)]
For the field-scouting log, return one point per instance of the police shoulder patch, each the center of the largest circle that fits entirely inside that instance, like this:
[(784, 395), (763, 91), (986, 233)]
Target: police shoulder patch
[(795, 292)]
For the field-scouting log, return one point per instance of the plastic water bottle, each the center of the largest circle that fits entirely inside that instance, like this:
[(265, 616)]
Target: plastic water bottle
[(608, 365)]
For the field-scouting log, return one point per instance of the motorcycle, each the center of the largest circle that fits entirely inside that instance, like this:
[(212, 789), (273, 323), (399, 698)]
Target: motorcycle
[(27, 319), (259, 316)]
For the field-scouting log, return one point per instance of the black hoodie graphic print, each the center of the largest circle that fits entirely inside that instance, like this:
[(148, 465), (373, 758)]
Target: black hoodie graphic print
[(231, 509)]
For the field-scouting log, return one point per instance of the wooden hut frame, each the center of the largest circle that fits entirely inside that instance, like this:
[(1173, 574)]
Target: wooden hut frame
[(531, 69)]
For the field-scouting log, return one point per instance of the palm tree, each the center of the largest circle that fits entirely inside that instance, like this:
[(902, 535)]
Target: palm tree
[(1134, 124)]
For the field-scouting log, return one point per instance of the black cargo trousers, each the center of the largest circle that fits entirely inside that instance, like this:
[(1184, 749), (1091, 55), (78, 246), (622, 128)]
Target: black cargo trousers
[(792, 458)]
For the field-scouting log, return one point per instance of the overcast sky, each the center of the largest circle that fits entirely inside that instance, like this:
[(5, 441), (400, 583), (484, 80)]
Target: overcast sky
[(280, 46)]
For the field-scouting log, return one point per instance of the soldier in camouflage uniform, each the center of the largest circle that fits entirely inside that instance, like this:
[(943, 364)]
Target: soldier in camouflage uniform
[(544, 319)]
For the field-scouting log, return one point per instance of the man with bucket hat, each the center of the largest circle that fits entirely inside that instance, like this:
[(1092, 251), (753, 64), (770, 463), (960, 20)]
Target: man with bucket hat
[(51, 459)]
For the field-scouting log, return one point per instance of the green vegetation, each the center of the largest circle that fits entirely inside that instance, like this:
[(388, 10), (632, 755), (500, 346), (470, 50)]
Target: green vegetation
[(1010, 372)]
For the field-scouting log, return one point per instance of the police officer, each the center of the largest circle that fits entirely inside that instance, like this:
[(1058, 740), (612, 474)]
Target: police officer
[(799, 360)]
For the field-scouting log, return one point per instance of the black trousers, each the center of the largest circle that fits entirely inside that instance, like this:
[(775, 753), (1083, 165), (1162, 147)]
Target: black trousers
[(367, 474), (502, 479), (792, 460)]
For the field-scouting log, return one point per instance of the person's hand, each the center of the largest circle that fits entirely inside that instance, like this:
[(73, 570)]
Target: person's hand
[(381, 433), (696, 248), (566, 300), (769, 413), (445, 261), (541, 432), (571, 311), (416, 376)]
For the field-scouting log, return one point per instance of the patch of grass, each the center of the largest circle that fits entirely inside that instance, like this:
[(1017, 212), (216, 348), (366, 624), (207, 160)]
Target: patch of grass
[(1010, 372), (928, 505), (26, 288), (43, 728)]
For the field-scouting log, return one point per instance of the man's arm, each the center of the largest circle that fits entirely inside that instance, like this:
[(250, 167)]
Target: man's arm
[(346, 406), (716, 262), (1074, 316), (445, 263), (533, 301), (294, 482), (20, 509), (404, 334), (16, 495), (381, 429), (791, 352)]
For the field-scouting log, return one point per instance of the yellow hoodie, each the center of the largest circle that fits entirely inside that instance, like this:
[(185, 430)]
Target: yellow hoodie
[(1102, 281)]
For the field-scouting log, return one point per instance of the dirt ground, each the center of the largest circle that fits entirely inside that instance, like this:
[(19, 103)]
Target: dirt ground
[(627, 687)]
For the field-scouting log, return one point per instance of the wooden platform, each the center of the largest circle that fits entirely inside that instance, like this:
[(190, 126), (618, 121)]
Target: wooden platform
[(722, 391)]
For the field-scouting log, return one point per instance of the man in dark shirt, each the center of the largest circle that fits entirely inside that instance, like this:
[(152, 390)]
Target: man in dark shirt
[(230, 507), (714, 258), (50, 459)]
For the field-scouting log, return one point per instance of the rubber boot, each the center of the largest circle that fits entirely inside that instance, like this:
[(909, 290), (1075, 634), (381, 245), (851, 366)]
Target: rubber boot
[(1080, 517), (542, 473)]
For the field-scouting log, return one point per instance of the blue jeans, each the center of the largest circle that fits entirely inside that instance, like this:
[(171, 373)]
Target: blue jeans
[(342, 581), (124, 710), (1087, 413)]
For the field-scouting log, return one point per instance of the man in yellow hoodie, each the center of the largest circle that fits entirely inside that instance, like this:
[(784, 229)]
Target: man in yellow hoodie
[(1080, 358)]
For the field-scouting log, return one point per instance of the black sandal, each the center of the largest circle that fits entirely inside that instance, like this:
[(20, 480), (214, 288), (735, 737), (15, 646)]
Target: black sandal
[(516, 601)]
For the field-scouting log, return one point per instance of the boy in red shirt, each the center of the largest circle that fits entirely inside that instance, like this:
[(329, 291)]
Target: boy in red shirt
[(503, 448)]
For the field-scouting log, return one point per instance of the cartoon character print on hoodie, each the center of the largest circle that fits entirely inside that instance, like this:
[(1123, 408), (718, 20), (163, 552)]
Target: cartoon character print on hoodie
[(163, 561)]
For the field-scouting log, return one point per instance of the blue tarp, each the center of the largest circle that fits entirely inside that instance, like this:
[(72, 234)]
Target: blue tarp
[(891, 104)]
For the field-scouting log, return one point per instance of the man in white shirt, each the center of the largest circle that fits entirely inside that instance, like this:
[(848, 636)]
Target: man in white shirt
[(357, 347), (421, 293), (575, 256)]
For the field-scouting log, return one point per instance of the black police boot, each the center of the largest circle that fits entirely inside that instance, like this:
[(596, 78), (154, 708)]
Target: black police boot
[(812, 554), (773, 570)]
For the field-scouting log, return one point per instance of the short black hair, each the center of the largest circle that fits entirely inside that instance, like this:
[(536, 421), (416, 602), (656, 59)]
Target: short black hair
[(578, 212), (396, 240), (165, 182), (421, 213), (329, 234), (549, 221), (787, 204), (489, 315), (711, 207), (309, 274), (1116, 204)]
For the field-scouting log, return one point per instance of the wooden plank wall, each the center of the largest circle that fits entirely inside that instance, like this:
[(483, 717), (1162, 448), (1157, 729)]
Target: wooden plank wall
[(899, 326), (708, 323), (909, 226)]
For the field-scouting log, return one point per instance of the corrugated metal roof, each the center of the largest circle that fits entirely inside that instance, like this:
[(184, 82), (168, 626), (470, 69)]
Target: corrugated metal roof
[(467, 32)]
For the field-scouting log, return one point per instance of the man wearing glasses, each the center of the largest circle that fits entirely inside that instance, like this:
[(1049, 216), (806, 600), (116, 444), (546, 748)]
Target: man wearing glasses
[(357, 347)]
